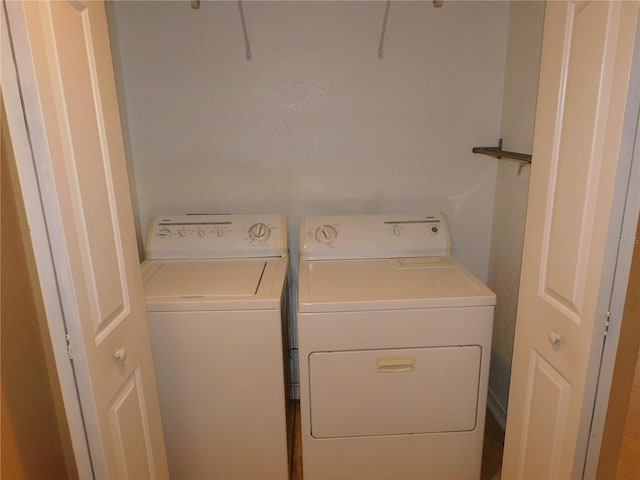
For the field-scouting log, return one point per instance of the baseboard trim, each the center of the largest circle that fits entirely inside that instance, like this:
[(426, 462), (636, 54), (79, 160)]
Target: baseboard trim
[(497, 410)]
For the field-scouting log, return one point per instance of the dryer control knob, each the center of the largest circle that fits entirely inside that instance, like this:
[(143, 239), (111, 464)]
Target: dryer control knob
[(326, 234), (164, 233), (259, 231)]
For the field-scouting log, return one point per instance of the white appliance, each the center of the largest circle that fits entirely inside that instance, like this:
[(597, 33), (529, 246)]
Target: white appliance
[(394, 345), (216, 297)]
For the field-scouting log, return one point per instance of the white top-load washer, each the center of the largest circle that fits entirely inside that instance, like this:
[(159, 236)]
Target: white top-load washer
[(216, 297), (394, 345)]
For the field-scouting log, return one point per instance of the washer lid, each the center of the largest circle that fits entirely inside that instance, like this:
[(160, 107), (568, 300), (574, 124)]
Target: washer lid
[(381, 284), (213, 284)]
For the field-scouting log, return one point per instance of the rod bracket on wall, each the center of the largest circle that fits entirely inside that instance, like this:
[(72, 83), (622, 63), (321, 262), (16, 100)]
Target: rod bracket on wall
[(436, 4), (195, 4), (244, 32), (523, 158), (384, 29)]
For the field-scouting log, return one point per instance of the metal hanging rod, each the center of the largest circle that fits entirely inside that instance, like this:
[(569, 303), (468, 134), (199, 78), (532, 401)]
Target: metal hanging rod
[(523, 158)]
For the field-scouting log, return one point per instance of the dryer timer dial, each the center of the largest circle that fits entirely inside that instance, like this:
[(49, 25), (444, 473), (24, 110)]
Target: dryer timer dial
[(326, 234)]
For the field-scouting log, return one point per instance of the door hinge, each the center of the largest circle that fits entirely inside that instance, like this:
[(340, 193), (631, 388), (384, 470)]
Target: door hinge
[(69, 351), (606, 324)]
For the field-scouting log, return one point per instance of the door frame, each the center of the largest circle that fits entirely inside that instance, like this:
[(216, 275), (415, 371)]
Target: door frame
[(21, 101), (24, 118), (622, 232)]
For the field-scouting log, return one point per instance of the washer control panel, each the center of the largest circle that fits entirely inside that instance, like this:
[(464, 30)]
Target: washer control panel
[(374, 236), (216, 236)]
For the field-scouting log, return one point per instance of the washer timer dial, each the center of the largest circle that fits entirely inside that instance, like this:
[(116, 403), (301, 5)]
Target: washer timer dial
[(259, 231)]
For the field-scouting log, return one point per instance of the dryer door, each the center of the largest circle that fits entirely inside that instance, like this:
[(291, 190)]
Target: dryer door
[(394, 391)]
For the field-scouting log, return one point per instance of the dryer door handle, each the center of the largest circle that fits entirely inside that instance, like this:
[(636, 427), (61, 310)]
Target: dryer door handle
[(396, 365)]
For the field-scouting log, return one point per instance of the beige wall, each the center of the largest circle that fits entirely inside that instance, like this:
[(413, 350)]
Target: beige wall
[(518, 115), (34, 436)]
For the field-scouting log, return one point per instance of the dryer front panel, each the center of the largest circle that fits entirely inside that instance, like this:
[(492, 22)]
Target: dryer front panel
[(394, 391)]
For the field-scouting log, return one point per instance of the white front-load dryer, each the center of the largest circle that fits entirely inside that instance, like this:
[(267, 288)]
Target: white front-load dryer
[(216, 298), (394, 339)]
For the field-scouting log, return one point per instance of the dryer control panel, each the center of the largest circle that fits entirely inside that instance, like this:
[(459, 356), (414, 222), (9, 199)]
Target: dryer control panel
[(374, 236), (216, 236)]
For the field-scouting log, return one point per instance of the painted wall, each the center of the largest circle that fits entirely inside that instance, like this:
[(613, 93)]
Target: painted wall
[(618, 458), (316, 123), (518, 115)]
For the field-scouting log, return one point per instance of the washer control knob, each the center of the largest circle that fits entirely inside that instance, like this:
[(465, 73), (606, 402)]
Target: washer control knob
[(220, 231), (182, 233), (259, 231), (326, 234), (164, 233), (201, 232)]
